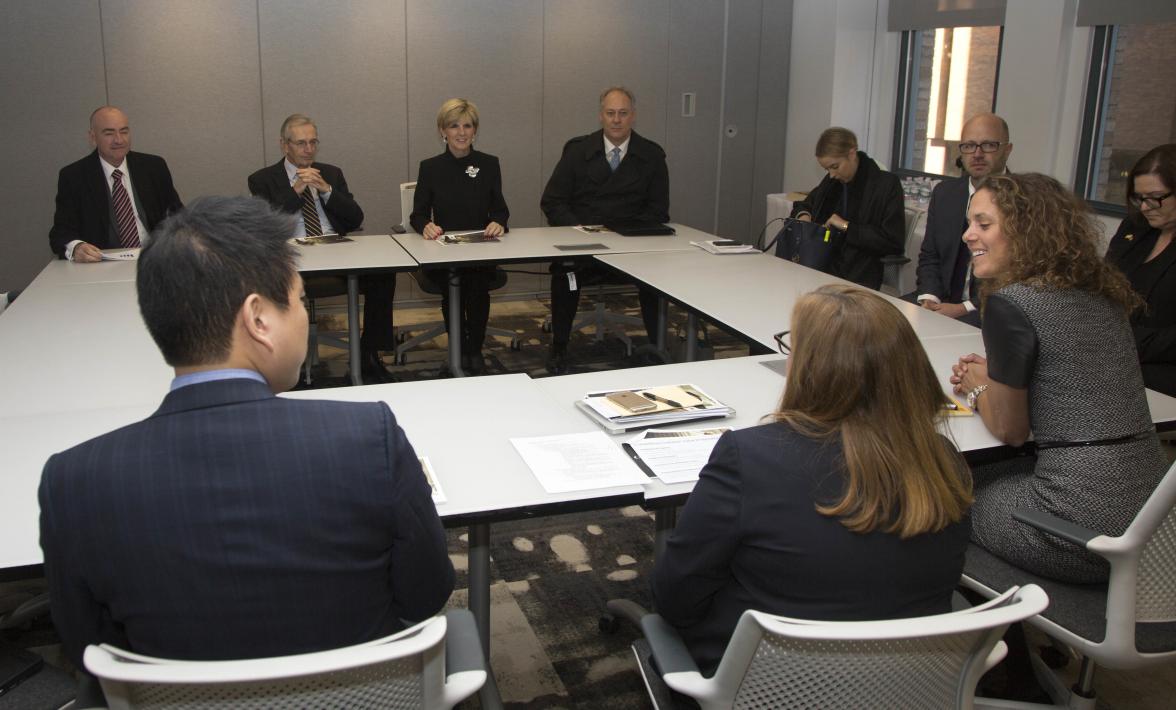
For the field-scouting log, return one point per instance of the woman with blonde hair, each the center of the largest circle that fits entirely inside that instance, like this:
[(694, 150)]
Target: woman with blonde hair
[(1061, 364), (848, 505), (460, 190), (860, 203)]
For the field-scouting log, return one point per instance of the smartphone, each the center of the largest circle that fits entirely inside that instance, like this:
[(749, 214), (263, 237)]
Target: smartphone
[(16, 666), (631, 402)]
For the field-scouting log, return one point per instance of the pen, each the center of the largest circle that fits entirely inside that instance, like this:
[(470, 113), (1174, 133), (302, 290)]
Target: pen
[(663, 400)]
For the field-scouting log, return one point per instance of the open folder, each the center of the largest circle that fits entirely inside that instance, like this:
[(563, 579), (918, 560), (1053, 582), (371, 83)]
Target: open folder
[(637, 408)]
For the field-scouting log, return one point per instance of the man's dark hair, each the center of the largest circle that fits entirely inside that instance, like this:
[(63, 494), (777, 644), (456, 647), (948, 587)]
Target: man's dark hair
[(199, 266)]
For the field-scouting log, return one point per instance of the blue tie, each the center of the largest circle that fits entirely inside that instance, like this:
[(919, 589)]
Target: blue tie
[(614, 159)]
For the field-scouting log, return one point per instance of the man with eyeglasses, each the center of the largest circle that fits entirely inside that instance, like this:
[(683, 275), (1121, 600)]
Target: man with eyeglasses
[(944, 281), (113, 197), (317, 194)]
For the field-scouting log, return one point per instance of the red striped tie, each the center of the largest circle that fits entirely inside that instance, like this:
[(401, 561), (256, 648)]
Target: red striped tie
[(128, 231)]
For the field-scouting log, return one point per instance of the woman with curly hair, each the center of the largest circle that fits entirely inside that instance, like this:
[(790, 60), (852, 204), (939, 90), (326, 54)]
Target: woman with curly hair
[(1061, 365)]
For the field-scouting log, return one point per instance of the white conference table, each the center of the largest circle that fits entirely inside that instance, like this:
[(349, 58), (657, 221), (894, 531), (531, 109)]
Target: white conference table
[(740, 291), (364, 254), (531, 244)]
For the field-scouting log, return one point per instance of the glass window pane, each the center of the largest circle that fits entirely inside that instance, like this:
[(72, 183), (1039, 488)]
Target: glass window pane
[(953, 77), (1140, 108)]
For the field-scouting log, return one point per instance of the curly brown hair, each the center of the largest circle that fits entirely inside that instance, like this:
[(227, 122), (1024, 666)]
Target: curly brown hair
[(1053, 239)]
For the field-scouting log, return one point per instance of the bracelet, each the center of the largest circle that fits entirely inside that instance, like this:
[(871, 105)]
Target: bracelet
[(974, 394)]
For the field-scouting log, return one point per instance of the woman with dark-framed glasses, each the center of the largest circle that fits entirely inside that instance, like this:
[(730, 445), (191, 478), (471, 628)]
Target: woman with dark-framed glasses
[(1142, 250), (847, 505)]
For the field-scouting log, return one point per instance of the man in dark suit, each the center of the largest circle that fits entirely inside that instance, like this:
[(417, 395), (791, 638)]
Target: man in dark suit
[(610, 175), (317, 194), (112, 197), (943, 278), (232, 523)]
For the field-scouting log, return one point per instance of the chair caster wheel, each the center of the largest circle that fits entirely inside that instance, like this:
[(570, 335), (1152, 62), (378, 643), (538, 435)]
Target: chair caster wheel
[(608, 624), (516, 345), (546, 327), (402, 360)]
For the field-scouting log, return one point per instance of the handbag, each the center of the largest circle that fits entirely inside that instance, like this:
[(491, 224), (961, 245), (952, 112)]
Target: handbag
[(807, 243)]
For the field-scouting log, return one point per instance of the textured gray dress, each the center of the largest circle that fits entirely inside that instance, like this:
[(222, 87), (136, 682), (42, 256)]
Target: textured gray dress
[(1084, 385)]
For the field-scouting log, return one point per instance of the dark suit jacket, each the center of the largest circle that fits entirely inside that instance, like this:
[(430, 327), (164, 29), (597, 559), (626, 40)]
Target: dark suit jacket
[(84, 210), (273, 185), (449, 196), (1155, 324), (236, 524), (749, 537), (584, 190), (943, 238), (877, 222)]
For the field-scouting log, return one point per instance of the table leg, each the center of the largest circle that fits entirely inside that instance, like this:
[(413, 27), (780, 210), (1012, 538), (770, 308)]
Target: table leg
[(479, 603), (353, 328), (455, 324), (663, 311), (691, 337)]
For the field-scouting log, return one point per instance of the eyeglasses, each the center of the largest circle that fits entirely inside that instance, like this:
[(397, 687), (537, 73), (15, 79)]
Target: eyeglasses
[(985, 147), (312, 143), (1152, 202), (782, 346)]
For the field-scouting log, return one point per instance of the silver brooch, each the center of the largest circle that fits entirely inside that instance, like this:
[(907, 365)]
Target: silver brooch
[(472, 171)]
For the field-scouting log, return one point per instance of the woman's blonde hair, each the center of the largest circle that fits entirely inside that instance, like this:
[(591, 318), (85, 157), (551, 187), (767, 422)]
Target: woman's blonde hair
[(835, 142), (1053, 239), (858, 372), (455, 110)]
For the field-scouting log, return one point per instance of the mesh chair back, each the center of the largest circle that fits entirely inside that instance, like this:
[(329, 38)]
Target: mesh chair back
[(928, 662), (1155, 599), (401, 671), (407, 194)]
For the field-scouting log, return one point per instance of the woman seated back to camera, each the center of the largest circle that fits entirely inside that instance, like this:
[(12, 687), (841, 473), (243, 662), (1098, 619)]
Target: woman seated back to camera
[(1061, 365), (460, 190), (861, 203), (847, 506), (1142, 249)]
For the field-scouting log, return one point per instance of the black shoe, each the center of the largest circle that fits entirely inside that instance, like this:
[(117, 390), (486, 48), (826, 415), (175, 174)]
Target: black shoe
[(557, 360), (371, 366)]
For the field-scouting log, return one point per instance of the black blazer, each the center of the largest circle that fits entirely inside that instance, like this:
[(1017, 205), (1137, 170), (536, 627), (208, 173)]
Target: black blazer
[(84, 209), (584, 190), (749, 537), (459, 193), (943, 237), (877, 222), (236, 524), (273, 185), (1155, 325)]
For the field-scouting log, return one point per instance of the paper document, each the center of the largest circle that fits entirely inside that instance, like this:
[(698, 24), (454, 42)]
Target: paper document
[(578, 462), (675, 456), (120, 255), (474, 236), (322, 239), (591, 228), (431, 477), (716, 246)]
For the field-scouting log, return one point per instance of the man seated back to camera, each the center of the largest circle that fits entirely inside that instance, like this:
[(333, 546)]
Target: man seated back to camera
[(232, 523)]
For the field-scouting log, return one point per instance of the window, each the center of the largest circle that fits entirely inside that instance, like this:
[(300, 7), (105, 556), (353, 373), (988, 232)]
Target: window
[(948, 75), (1130, 107)]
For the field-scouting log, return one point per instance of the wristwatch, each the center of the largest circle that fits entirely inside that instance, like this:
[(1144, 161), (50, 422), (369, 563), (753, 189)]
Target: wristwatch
[(974, 394)]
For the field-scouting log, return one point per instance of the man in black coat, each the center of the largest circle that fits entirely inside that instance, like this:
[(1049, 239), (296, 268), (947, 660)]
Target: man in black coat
[(317, 194), (232, 523), (610, 175), (112, 197), (943, 278)]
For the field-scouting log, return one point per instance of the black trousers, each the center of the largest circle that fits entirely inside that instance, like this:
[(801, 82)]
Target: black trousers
[(565, 302), (475, 302), (379, 292)]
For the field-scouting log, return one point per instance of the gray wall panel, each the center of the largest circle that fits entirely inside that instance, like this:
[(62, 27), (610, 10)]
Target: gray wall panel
[(588, 46), (52, 80), (343, 64), (771, 110), (739, 114), (187, 75), (498, 64), (692, 144)]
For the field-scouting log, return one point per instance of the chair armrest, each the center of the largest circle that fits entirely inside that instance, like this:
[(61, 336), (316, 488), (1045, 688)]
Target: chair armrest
[(463, 647), (399, 229), (668, 650), (1055, 526)]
